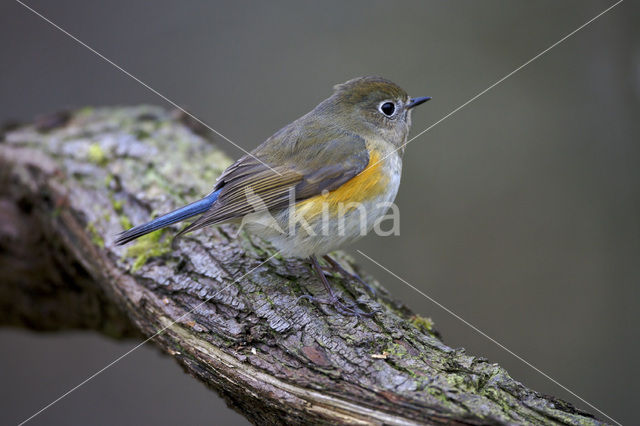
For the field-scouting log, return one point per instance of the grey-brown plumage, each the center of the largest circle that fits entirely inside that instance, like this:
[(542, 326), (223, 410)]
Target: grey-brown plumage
[(320, 153)]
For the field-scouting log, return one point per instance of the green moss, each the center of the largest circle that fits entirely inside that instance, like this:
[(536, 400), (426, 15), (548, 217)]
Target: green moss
[(422, 323), (117, 205), (216, 162), (86, 111), (124, 222), (96, 238), (498, 397), (152, 176), (462, 382), (142, 134), (396, 350), (122, 218), (148, 246), (96, 154), (437, 393)]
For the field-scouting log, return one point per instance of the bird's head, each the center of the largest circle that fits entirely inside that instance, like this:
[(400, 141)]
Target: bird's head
[(372, 107)]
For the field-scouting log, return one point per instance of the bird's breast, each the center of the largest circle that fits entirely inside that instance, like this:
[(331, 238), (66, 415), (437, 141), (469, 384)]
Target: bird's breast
[(333, 219), (378, 182)]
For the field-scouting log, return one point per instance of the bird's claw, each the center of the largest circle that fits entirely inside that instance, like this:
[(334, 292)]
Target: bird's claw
[(351, 309)]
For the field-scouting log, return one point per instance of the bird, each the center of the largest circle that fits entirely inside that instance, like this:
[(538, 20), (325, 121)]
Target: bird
[(309, 187)]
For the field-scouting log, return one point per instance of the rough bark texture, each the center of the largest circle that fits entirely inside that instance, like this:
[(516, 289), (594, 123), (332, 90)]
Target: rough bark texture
[(71, 181)]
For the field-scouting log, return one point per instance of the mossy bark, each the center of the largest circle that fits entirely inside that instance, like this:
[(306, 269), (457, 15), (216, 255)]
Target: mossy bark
[(71, 181)]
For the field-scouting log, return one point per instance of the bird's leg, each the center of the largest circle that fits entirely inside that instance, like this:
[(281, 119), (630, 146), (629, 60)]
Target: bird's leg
[(348, 275), (344, 309)]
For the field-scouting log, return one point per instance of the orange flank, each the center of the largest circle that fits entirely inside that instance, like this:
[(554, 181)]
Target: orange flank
[(365, 186)]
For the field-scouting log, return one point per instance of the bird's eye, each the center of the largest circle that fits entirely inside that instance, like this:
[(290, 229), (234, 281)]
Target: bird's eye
[(387, 108)]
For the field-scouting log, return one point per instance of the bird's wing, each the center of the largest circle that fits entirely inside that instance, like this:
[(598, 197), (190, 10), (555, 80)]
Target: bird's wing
[(249, 185)]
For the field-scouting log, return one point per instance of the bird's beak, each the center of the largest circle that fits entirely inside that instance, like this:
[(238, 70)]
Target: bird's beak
[(417, 101)]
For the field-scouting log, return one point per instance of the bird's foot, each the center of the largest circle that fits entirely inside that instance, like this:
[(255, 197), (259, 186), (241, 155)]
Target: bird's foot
[(350, 276), (345, 309), (350, 309)]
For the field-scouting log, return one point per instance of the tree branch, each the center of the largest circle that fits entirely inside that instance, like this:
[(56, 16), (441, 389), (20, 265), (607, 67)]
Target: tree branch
[(71, 181)]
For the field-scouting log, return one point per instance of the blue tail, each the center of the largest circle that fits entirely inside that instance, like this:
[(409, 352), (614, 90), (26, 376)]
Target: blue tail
[(175, 216)]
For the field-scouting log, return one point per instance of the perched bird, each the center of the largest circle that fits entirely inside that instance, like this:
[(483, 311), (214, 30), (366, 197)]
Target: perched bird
[(309, 187)]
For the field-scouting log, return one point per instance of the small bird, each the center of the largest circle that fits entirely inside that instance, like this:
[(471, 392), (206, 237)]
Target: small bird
[(309, 187)]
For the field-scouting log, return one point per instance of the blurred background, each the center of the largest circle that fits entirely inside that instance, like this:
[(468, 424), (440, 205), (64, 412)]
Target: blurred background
[(521, 212)]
